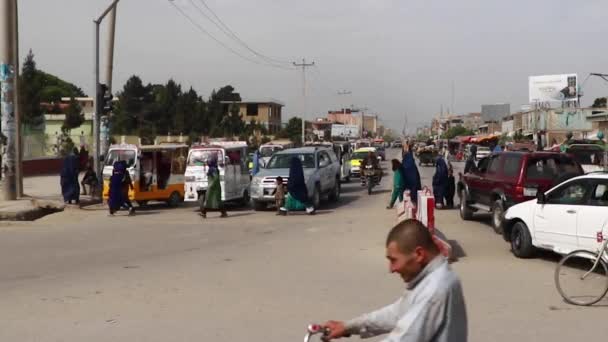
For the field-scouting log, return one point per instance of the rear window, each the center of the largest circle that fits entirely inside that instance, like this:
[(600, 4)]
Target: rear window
[(511, 165), (550, 167)]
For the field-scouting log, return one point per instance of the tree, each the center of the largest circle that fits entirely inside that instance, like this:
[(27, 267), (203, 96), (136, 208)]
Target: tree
[(293, 131), (29, 92), (73, 117), (456, 131), (600, 102)]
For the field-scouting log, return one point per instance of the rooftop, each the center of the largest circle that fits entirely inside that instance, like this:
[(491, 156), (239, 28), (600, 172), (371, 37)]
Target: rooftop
[(258, 101)]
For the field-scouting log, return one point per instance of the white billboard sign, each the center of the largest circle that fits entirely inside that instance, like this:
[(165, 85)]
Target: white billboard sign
[(345, 131), (553, 88)]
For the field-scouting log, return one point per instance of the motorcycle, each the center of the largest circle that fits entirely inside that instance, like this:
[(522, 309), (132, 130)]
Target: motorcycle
[(369, 178)]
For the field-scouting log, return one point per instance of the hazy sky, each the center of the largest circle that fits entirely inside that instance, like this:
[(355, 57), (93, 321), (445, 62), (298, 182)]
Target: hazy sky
[(396, 56)]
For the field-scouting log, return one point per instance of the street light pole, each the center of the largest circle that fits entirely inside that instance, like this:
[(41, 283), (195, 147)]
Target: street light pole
[(8, 92), (97, 92)]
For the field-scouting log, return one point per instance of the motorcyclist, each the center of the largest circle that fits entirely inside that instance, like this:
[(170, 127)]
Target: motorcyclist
[(372, 160)]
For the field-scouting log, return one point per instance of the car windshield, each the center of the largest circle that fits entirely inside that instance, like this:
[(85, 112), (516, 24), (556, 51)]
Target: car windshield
[(268, 151), (282, 161), (359, 155), (483, 149), (200, 157), (120, 155)]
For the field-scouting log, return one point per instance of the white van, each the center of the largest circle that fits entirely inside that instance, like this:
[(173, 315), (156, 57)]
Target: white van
[(267, 150), (232, 164)]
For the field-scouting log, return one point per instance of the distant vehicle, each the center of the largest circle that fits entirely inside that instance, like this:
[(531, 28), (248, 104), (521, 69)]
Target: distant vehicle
[(571, 216), (397, 144), (267, 150), (590, 156), (232, 165), (356, 159), (504, 179), (482, 152), (343, 152), (157, 171), (321, 171), (380, 151)]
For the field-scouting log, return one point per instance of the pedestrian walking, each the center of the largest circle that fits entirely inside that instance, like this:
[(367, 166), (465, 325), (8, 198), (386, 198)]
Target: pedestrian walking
[(432, 309), (411, 176), (117, 194), (89, 179), (451, 191), (440, 182), (398, 183), (470, 165), (69, 178), (256, 163), (297, 193), (213, 197), (127, 184)]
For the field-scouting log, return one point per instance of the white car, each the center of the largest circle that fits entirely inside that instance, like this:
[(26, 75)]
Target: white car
[(482, 152), (571, 216)]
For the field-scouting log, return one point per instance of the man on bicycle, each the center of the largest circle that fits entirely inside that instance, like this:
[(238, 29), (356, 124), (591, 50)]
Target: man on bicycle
[(432, 309)]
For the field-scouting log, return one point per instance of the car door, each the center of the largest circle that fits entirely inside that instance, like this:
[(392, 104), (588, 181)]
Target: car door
[(324, 170), (555, 222), (592, 218), (474, 179), (488, 182)]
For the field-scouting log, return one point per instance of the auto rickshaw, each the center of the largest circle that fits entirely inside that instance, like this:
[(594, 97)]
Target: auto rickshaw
[(427, 156)]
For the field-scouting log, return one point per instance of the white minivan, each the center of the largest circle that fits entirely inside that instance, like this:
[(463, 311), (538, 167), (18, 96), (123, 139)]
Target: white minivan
[(232, 164)]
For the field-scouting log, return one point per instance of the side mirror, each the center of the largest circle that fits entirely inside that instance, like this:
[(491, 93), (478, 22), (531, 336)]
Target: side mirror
[(540, 197), (323, 163)]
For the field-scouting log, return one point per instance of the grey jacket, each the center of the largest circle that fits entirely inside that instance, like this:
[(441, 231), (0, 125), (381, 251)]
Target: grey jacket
[(432, 309)]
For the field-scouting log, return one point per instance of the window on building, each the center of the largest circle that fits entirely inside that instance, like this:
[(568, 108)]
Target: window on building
[(252, 109)]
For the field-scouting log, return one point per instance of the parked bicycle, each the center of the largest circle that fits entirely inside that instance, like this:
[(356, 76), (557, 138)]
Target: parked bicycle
[(581, 277)]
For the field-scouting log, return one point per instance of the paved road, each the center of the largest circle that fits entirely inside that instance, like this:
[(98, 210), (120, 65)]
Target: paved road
[(168, 275)]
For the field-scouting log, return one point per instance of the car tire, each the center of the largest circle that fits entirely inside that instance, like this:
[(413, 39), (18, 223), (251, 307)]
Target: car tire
[(259, 206), (498, 217), (316, 197), (174, 199), (335, 193), (465, 212), (521, 241)]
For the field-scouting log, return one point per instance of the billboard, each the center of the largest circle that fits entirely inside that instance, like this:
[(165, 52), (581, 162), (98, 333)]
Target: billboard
[(553, 88), (345, 131), (495, 112)]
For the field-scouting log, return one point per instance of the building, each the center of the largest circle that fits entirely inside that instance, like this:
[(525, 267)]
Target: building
[(265, 112), (472, 121)]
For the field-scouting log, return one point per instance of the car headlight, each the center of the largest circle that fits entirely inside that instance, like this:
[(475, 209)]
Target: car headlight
[(256, 181)]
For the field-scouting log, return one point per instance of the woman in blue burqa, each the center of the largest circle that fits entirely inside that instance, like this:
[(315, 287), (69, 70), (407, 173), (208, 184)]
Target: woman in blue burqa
[(213, 198), (411, 176), (440, 182), (117, 195), (297, 193), (70, 189)]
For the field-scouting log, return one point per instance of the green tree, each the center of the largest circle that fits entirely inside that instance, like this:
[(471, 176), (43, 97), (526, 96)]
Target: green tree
[(29, 92), (600, 102), (74, 117), (456, 131), (293, 131)]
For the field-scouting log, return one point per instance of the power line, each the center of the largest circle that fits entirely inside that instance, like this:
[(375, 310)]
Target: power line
[(236, 37), (202, 29)]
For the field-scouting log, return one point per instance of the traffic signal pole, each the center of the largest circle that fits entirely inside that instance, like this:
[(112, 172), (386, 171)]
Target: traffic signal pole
[(98, 97)]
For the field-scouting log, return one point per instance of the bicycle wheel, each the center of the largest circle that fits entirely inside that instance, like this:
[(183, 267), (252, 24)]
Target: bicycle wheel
[(578, 282)]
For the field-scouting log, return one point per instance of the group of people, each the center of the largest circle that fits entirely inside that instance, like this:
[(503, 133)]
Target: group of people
[(407, 177), (73, 163)]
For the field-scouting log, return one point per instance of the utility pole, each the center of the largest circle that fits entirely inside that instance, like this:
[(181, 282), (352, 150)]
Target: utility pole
[(344, 92), (98, 100), (304, 65), (8, 95), (105, 120)]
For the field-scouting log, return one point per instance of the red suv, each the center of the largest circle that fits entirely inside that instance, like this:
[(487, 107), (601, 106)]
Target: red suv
[(507, 178)]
